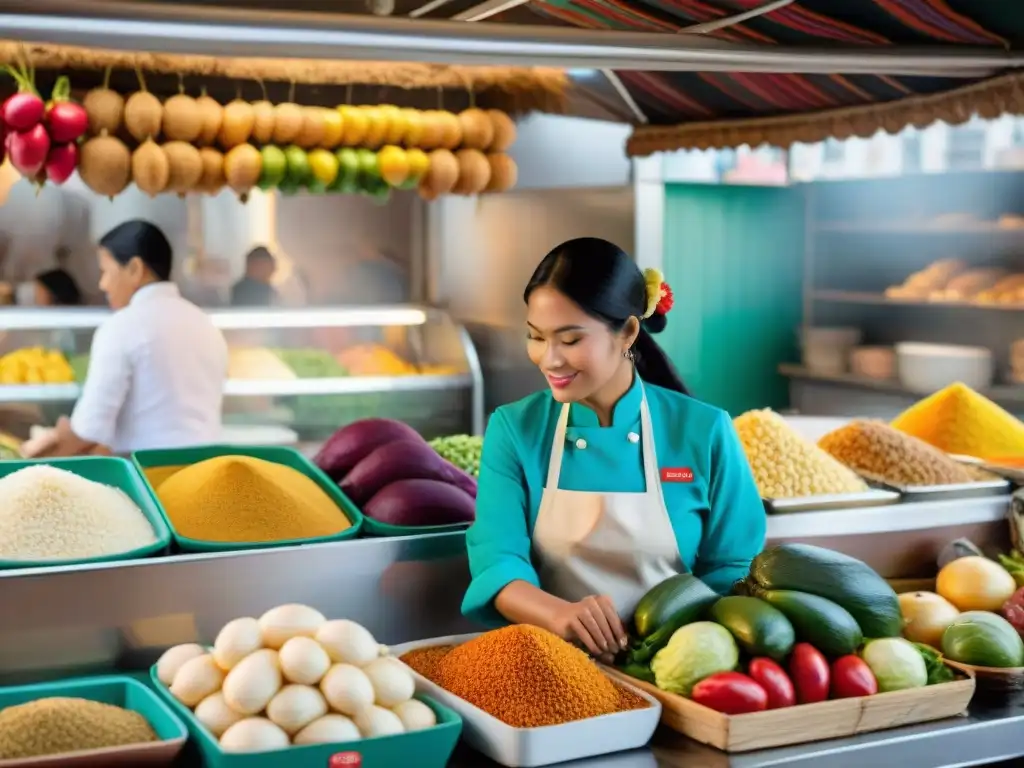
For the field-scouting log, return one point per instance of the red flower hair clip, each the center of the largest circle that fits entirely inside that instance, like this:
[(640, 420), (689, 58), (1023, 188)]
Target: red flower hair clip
[(666, 302)]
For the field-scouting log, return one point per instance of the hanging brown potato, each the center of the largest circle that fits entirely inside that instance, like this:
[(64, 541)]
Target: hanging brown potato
[(185, 167), (242, 167), (143, 116), (288, 121), (313, 128), (431, 130), (105, 165), (474, 172), (504, 130), (151, 171), (504, 172), (236, 124), (477, 129), (211, 114), (212, 179), (264, 116), (442, 174), (105, 109), (182, 119), (451, 130)]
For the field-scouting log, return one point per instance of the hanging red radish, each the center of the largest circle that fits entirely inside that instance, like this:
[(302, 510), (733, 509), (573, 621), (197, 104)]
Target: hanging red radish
[(24, 109), (65, 120), (61, 162), (28, 149)]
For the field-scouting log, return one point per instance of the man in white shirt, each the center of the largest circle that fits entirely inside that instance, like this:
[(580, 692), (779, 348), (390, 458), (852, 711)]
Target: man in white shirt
[(157, 366)]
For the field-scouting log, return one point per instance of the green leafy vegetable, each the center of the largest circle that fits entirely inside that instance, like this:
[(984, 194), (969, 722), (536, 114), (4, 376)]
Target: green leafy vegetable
[(938, 672)]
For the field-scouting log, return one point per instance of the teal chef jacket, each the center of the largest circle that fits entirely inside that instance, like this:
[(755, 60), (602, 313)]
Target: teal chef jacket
[(718, 517)]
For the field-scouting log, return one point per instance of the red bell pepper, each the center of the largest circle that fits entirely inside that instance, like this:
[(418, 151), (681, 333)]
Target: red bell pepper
[(775, 682), (730, 693), (852, 677), (809, 672)]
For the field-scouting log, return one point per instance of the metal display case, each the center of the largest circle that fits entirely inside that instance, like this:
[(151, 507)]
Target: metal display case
[(307, 370)]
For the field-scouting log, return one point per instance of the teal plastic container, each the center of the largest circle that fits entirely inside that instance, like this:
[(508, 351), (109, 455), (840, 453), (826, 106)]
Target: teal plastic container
[(289, 457), (373, 528), (120, 691), (117, 473), (429, 748)]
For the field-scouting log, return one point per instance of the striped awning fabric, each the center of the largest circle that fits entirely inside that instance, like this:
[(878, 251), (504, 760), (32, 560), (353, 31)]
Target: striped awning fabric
[(702, 110)]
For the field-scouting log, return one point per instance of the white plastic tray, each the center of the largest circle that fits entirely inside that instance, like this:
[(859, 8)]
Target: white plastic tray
[(529, 747)]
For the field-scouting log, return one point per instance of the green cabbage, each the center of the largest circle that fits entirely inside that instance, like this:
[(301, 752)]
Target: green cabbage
[(984, 640), (694, 652), (896, 664)]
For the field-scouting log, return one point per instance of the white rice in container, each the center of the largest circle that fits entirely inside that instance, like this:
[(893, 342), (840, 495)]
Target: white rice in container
[(52, 514)]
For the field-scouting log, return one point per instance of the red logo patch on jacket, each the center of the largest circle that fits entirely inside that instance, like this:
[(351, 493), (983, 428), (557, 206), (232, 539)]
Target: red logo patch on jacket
[(676, 475)]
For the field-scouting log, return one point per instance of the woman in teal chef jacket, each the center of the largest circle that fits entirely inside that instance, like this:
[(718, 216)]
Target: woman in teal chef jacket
[(596, 490)]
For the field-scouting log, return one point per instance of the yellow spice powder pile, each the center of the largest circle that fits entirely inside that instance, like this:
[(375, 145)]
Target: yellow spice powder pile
[(157, 475), (242, 499), (56, 725), (959, 420)]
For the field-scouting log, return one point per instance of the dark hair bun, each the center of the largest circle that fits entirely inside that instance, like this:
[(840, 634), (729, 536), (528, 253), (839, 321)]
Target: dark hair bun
[(656, 323), (142, 239)]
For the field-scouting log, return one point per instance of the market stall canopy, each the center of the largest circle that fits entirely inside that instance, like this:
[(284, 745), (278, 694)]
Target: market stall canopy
[(702, 110), (689, 73)]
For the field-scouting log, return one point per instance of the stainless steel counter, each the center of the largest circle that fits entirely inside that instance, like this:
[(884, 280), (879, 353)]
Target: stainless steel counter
[(402, 589), (58, 621), (986, 735), (125, 614)]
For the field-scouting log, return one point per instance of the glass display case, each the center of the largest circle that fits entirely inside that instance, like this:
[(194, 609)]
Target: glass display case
[(300, 371)]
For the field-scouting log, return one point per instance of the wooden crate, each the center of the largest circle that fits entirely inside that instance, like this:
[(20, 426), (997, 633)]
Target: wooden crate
[(901, 586), (809, 722)]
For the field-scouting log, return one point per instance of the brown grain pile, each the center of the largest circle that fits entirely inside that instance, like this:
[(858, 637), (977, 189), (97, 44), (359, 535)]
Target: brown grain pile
[(56, 725), (524, 676), (879, 452)]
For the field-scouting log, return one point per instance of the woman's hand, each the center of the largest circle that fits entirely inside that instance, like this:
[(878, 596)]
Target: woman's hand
[(60, 441), (593, 621)]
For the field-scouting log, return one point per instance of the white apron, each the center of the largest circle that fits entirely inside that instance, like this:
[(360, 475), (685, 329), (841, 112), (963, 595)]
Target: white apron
[(615, 544)]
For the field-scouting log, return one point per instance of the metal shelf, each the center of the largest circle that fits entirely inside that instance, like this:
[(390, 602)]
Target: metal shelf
[(352, 385), (1006, 393), (879, 299), (89, 318), (918, 228)]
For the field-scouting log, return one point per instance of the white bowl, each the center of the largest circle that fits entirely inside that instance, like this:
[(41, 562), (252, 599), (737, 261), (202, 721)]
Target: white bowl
[(927, 368)]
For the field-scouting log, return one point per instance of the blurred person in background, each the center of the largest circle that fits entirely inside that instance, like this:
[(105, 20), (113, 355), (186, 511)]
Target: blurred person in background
[(157, 365), (254, 289), (56, 288), (377, 276)]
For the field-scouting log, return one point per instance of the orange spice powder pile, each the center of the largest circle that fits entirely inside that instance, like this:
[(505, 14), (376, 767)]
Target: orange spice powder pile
[(524, 676)]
